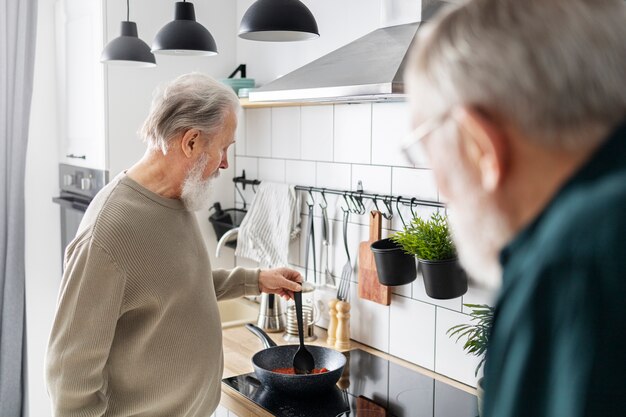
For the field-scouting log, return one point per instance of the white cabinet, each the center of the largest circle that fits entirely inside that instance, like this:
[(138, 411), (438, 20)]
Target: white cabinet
[(79, 41)]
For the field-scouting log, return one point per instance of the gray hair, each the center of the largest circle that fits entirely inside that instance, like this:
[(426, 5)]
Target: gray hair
[(555, 69), (190, 101)]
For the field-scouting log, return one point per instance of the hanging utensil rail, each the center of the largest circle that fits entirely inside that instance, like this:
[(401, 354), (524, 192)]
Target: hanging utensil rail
[(358, 195)]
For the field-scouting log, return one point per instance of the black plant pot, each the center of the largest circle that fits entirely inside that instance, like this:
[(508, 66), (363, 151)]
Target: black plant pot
[(393, 265), (444, 279)]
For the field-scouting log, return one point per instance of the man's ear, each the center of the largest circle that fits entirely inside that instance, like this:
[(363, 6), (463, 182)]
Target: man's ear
[(486, 146), (189, 141)]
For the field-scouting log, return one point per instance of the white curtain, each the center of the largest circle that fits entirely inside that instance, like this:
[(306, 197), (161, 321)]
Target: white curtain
[(18, 22)]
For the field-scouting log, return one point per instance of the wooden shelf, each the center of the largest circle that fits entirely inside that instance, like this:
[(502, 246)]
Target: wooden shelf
[(247, 104)]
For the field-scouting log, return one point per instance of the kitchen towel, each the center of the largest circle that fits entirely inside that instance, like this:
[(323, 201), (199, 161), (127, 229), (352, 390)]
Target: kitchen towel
[(273, 219)]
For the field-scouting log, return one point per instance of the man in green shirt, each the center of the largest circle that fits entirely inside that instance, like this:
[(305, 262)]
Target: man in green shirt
[(520, 109)]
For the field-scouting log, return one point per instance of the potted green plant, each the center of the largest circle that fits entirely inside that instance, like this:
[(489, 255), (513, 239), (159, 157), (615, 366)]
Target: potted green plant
[(431, 242), (477, 338)]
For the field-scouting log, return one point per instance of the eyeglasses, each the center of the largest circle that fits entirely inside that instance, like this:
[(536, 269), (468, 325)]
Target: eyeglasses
[(412, 145)]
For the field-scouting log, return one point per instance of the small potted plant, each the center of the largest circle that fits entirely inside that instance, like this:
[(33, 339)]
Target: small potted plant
[(430, 241), (477, 335)]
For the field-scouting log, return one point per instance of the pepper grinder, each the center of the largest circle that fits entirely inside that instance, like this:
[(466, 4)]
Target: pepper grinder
[(332, 323), (343, 325)]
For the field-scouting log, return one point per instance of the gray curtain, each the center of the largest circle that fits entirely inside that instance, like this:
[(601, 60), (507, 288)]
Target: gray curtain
[(18, 22)]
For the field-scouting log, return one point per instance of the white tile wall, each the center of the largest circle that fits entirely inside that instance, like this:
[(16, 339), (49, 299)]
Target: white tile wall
[(411, 182), (390, 125), (272, 170), (412, 331), (317, 133), (259, 131), (450, 359), (369, 322), (301, 172), (335, 146), (353, 133), (286, 132)]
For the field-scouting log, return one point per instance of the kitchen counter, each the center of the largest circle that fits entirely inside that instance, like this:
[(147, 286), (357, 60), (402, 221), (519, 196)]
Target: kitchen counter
[(240, 345)]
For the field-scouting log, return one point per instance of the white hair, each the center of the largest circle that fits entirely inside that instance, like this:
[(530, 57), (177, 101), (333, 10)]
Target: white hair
[(554, 69), (190, 101)]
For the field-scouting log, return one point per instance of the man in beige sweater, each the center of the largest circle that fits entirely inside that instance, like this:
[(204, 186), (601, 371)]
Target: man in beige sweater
[(137, 330)]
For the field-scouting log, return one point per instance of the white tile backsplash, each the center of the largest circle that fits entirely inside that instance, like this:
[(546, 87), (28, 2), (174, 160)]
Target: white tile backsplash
[(272, 170), (450, 359), (412, 331), (375, 179), (259, 132), (390, 125), (353, 133), (286, 132), (369, 322), (335, 146), (411, 182), (317, 132), (300, 172)]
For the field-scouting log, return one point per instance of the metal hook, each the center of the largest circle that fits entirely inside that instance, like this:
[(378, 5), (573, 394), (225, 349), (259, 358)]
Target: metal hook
[(399, 211), (389, 215), (325, 205), (375, 200), (254, 188), (345, 197), (412, 200), (240, 195), (360, 207), (311, 195)]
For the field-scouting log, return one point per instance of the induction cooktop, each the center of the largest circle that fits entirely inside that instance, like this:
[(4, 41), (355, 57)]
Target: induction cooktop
[(370, 387)]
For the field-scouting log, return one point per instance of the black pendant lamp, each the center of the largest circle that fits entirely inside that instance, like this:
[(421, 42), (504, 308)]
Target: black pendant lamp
[(278, 21), (128, 49), (183, 35)]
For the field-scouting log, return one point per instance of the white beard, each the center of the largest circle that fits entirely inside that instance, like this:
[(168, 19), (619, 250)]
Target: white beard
[(197, 191), (479, 236), (478, 228)]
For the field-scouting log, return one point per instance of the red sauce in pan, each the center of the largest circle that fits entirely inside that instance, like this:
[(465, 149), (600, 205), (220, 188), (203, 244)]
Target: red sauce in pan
[(291, 371)]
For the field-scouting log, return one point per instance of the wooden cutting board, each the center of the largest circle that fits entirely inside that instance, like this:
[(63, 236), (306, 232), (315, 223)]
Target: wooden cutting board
[(369, 286)]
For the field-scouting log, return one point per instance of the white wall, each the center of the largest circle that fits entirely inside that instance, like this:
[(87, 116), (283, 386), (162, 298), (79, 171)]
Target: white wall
[(43, 235)]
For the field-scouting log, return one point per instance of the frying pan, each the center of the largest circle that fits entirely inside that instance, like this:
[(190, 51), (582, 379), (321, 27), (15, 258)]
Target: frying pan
[(274, 357)]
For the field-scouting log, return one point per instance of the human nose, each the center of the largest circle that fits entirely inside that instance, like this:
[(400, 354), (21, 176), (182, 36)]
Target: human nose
[(224, 162)]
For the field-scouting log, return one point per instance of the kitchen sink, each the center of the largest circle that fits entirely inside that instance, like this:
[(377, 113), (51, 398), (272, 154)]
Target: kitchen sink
[(237, 312)]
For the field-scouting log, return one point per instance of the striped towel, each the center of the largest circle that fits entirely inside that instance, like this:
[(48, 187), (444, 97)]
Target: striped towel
[(273, 219)]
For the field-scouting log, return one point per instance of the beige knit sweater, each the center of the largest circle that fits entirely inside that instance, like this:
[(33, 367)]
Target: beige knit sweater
[(137, 330)]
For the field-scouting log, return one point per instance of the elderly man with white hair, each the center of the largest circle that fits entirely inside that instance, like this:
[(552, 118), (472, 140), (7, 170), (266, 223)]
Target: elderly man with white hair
[(520, 109), (137, 329)]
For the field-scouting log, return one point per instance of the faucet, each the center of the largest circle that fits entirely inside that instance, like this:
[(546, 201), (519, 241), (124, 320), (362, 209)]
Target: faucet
[(226, 237)]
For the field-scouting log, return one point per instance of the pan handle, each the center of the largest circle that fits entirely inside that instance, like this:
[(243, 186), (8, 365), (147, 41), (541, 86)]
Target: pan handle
[(267, 342)]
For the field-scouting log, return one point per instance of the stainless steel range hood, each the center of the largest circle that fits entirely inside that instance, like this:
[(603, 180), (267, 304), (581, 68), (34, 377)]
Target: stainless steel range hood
[(367, 69)]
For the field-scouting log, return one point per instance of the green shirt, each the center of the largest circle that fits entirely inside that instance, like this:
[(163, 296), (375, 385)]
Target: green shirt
[(558, 342)]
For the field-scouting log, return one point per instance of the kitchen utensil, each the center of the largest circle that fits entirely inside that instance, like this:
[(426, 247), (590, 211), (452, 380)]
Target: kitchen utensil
[(344, 285), (303, 361), (274, 357), (327, 277), (369, 286), (310, 245), (271, 317)]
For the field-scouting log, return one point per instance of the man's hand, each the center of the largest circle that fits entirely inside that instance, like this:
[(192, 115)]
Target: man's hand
[(281, 281)]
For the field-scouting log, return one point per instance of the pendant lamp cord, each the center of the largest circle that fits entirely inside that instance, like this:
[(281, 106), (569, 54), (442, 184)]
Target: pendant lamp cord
[(128, 10)]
